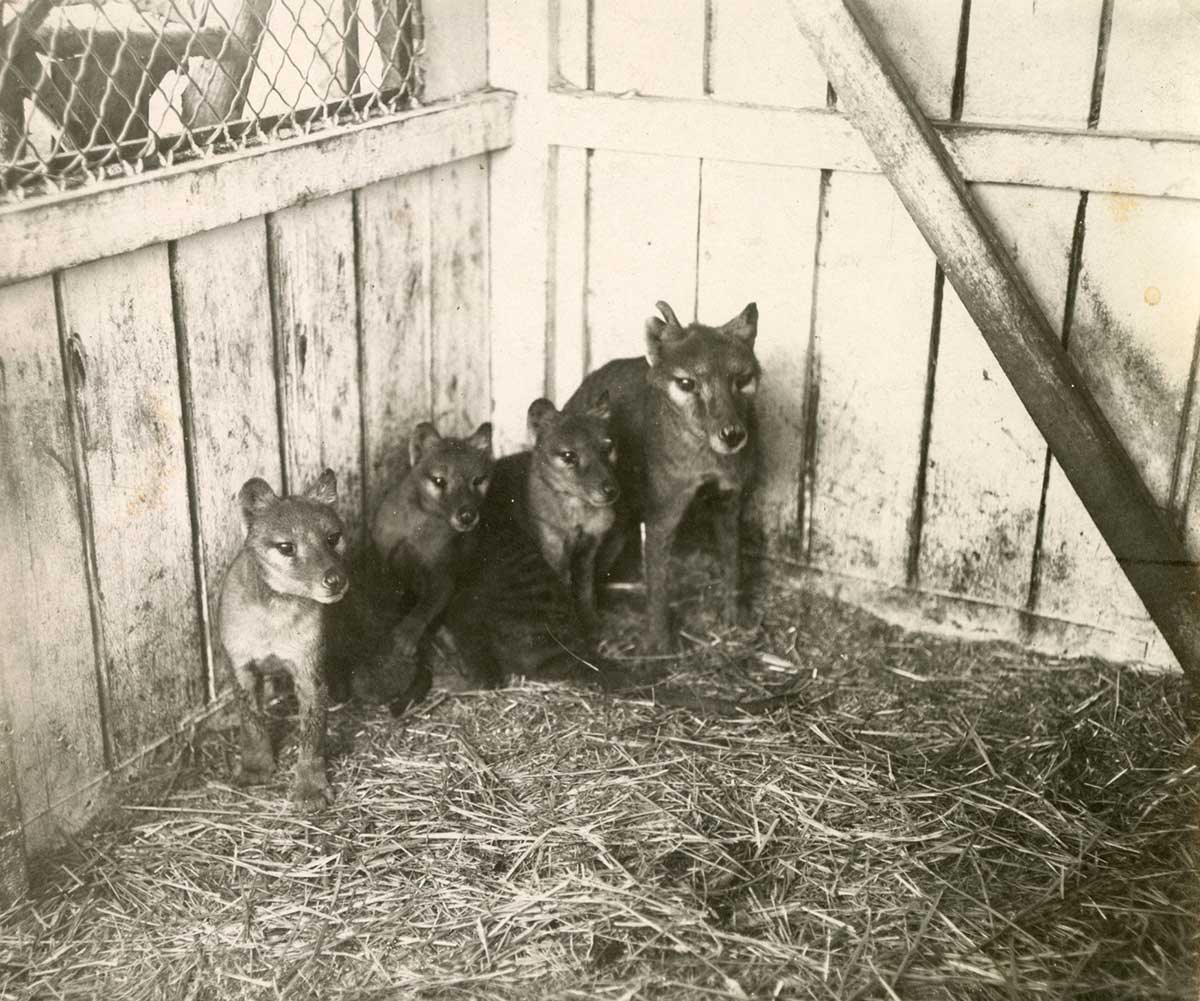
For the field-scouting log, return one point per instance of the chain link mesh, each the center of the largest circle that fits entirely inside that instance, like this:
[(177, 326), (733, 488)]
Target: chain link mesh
[(91, 89)]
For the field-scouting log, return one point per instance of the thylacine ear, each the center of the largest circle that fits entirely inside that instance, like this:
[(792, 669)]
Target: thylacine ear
[(424, 436), (481, 438), (254, 498), (540, 411), (657, 330), (744, 326), (324, 490), (601, 407)]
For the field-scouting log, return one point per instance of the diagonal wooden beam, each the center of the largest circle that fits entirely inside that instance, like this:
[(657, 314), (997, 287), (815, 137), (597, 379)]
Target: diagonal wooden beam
[(1045, 378)]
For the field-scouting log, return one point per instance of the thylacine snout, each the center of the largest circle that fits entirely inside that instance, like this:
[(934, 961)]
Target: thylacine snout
[(576, 452), (298, 542), (710, 374)]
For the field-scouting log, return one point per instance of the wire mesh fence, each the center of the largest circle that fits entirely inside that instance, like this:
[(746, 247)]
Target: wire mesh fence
[(95, 88)]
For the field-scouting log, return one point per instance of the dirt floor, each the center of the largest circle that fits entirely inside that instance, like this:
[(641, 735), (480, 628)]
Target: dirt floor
[(924, 819)]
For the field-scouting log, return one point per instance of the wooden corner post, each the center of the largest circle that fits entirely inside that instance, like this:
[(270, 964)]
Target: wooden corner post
[(1025, 345)]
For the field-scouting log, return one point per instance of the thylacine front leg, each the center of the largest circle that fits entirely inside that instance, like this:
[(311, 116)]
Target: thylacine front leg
[(258, 761), (436, 590), (728, 517), (583, 581), (310, 787), (662, 521)]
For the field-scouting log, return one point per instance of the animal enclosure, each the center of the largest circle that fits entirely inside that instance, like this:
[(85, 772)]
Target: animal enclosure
[(460, 206)]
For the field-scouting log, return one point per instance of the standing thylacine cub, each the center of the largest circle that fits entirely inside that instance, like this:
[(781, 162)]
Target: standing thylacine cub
[(570, 493), (683, 419), (272, 620), (423, 534)]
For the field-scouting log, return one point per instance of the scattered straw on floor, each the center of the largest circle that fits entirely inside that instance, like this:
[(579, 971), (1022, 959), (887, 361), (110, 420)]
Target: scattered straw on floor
[(925, 819)]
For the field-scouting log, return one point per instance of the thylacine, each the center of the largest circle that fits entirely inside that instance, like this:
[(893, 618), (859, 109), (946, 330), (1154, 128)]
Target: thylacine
[(423, 536), (272, 620), (683, 420), (570, 490)]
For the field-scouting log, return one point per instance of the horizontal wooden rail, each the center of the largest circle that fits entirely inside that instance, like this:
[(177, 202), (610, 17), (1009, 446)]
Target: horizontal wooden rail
[(60, 231), (814, 137)]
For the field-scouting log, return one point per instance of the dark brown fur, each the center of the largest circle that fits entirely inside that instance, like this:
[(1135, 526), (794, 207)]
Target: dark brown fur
[(272, 620), (423, 537), (570, 492), (683, 420)]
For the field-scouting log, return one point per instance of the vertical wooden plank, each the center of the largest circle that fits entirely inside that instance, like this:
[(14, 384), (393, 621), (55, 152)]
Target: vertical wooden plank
[(49, 674), (14, 876), (223, 310), (653, 48), (641, 247), (569, 43), (1150, 83), (1032, 64), (394, 273), (920, 38), (757, 233), (758, 55), (461, 352), (125, 379), (569, 242), (874, 297), (518, 207), (1133, 337), (986, 457), (311, 252)]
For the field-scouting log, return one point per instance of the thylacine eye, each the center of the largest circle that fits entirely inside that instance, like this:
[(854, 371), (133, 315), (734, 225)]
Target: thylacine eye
[(479, 483), (745, 381), (684, 383), (568, 456), (333, 538), (439, 482), (607, 445), (285, 548)]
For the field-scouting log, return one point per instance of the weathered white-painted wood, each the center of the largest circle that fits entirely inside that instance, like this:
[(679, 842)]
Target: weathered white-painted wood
[(394, 232), (642, 221), (813, 138), (758, 56), (569, 242), (456, 47), (14, 875), (986, 457), (518, 224), (1151, 85), (64, 230), (1133, 337), (462, 347), (757, 232), (1032, 64), (874, 298), (312, 255), (1023, 341), (568, 61), (920, 40), (223, 308), (49, 674), (652, 48), (121, 347)]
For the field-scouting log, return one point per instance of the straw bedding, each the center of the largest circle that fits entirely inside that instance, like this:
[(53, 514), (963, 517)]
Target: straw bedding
[(923, 819)]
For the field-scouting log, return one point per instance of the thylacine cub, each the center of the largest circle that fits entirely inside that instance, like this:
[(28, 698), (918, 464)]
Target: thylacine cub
[(423, 534), (570, 490), (683, 419), (272, 620)]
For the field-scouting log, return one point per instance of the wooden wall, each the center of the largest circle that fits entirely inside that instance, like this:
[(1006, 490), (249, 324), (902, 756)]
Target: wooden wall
[(903, 472), (139, 390)]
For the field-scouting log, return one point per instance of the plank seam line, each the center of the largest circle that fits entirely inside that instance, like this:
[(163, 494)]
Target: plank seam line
[(183, 361), (360, 361), (278, 362), (87, 527), (807, 487), (916, 523)]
